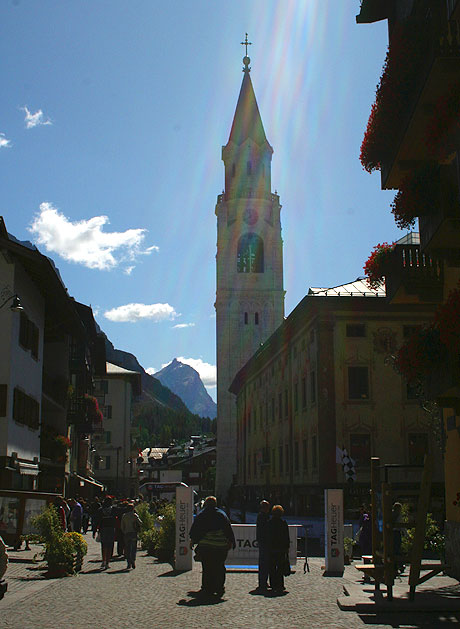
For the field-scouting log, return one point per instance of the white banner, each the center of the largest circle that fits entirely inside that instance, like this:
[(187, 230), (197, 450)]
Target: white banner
[(184, 520), (333, 503), (246, 552)]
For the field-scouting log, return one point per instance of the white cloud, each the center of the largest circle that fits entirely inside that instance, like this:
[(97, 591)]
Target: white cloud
[(183, 325), (137, 312), (36, 119), (4, 142), (151, 370), (208, 372), (128, 270), (85, 242)]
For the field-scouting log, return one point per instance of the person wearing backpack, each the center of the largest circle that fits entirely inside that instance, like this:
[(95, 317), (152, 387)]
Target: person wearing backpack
[(130, 527), (106, 531)]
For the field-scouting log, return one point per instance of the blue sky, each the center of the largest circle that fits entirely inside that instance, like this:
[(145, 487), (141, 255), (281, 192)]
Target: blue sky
[(113, 114)]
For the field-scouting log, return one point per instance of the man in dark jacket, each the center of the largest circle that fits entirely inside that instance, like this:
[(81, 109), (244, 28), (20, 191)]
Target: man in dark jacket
[(212, 531), (262, 542)]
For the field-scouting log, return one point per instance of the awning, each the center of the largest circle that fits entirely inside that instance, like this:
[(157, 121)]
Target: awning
[(89, 481), (29, 469)]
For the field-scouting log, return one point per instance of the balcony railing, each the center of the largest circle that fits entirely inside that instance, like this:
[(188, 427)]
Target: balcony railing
[(409, 272)]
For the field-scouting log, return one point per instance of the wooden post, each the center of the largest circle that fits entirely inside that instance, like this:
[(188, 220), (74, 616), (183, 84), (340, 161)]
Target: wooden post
[(388, 546), (375, 484), (420, 525)]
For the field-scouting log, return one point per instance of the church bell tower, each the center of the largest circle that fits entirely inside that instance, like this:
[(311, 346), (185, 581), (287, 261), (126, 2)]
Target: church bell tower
[(250, 294)]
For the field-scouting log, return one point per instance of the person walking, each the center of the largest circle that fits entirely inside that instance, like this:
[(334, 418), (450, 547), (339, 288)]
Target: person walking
[(130, 527), (212, 532), (278, 548), (75, 515), (263, 517), (365, 531), (106, 528)]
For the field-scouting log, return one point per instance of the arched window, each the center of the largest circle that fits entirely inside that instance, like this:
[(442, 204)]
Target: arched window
[(246, 318), (256, 318), (250, 257), (249, 168)]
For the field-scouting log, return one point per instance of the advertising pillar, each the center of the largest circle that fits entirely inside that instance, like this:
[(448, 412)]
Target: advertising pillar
[(333, 501), (184, 519)]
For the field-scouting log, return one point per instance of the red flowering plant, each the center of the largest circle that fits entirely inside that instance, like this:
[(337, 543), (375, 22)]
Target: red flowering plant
[(420, 354), (442, 130), (63, 441), (374, 268), (447, 319), (400, 74), (93, 412), (417, 195)]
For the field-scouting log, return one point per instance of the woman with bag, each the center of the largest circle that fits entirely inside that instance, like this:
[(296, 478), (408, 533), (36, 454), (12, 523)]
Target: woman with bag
[(130, 527), (278, 549), (105, 529)]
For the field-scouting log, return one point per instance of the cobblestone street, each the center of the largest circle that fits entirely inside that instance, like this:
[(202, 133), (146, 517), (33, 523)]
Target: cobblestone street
[(153, 595)]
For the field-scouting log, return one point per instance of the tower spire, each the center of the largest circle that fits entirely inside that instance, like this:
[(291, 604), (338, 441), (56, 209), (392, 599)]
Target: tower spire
[(246, 59)]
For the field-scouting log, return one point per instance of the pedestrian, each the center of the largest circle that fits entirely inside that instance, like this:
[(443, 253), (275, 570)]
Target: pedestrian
[(263, 518), (365, 531), (61, 512), (130, 527), (106, 528), (212, 532), (76, 513), (278, 548)]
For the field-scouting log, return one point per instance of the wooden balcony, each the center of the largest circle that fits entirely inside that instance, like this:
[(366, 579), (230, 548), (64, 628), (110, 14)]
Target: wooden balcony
[(453, 9), (439, 71), (413, 277)]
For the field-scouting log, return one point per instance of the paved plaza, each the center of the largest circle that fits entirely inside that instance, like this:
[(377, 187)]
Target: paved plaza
[(153, 595)]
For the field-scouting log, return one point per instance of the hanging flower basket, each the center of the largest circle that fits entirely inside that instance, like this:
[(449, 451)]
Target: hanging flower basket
[(420, 355), (374, 268), (406, 52), (417, 195), (93, 412)]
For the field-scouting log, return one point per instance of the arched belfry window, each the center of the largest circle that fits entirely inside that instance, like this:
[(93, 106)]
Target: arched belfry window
[(250, 254)]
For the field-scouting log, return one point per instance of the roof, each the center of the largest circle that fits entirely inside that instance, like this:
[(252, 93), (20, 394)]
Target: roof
[(116, 370), (358, 288), (153, 453), (247, 122), (373, 11)]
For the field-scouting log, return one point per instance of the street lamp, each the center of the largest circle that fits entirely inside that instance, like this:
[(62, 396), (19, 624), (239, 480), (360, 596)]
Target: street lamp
[(16, 303)]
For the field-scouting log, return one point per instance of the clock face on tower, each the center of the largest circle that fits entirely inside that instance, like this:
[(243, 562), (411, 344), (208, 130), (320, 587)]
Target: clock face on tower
[(250, 216)]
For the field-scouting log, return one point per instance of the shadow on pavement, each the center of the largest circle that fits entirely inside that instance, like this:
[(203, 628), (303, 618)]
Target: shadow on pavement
[(201, 600), (172, 573), (413, 620)]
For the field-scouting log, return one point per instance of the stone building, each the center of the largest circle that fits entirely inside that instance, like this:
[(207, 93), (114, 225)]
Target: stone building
[(250, 295), (323, 382)]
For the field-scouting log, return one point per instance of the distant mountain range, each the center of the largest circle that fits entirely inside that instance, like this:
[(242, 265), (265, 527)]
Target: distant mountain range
[(185, 382)]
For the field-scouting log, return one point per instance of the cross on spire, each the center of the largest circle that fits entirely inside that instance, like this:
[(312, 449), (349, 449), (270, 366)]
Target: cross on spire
[(246, 43)]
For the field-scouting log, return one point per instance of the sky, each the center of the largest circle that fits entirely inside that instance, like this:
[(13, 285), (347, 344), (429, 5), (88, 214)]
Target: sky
[(112, 118)]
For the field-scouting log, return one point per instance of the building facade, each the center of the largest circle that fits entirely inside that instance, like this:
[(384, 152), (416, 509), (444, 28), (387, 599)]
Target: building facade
[(114, 459), (412, 139), (322, 383), (250, 296)]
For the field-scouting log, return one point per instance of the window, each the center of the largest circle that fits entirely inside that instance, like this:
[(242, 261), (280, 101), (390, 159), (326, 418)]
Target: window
[(250, 257), (304, 392), (108, 436), (26, 410), (313, 387), (256, 318), (360, 449), (358, 383), (314, 458), (280, 458), (280, 406), (356, 329), (104, 386), (296, 456), (249, 168), (246, 318), (108, 411), (418, 447), (28, 335), (304, 455)]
